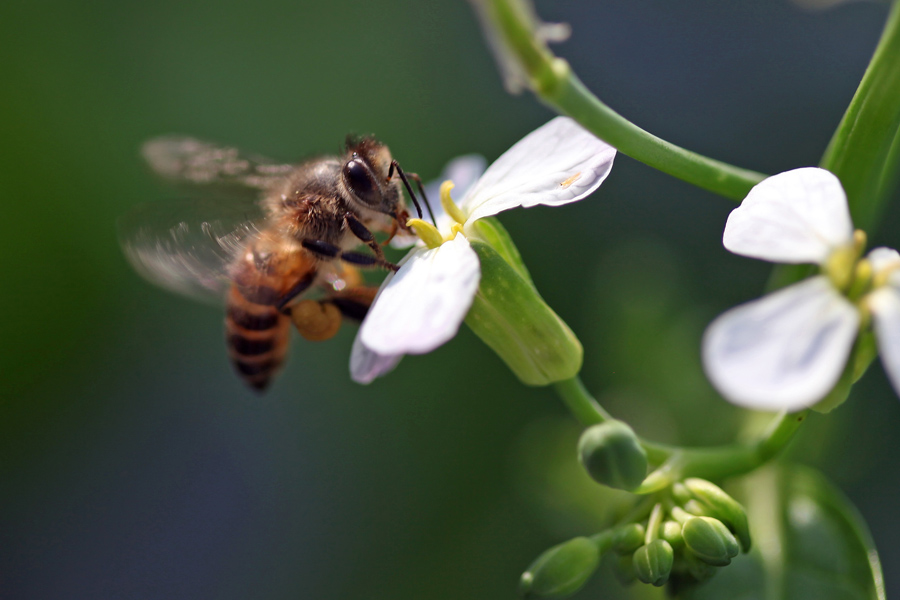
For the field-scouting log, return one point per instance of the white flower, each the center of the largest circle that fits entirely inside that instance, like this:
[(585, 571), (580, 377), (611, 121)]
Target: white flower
[(788, 349), (421, 307)]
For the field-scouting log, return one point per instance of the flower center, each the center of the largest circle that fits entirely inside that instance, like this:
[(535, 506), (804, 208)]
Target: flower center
[(844, 268), (430, 234)]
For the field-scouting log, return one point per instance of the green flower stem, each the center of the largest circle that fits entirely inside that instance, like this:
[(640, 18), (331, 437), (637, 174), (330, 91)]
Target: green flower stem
[(677, 463), (864, 152), (725, 461), (604, 540), (580, 402), (511, 24)]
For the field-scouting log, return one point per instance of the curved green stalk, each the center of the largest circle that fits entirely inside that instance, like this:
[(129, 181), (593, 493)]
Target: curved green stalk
[(676, 463), (513, 32)]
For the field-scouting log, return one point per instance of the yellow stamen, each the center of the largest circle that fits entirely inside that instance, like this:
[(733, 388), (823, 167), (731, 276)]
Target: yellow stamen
[(450, 207), (859, 241), (427, 232), (884, 275), (457, 228), (840, 266), (862, 280)]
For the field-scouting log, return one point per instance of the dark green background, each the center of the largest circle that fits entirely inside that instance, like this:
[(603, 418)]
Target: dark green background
[(135, 465)]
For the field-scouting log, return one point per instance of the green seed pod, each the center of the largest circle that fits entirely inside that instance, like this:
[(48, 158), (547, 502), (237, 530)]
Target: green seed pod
[(653, 562), (710, 540), (723, 507), (561, 570), (510, 317), (628, 538), (612, 455), (671, 532)]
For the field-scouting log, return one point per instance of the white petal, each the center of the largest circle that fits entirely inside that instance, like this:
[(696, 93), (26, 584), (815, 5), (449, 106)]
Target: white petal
[(886, 260), (422, 306), (366, 365), (558, 163), (799, 216), (885, 306), (463, 171), (786, 350)]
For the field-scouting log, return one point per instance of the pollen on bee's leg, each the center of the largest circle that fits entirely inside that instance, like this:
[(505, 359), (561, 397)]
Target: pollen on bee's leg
[(316, 321)]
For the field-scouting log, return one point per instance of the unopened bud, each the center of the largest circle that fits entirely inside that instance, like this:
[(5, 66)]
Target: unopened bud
[(628, 538), (510, 317), (653, 562), (612, 455), (710, 540), (671, 532), (561, 570), (695, 567), (723, 507)]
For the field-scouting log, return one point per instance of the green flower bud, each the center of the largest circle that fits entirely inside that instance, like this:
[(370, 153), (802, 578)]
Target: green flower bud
[(653, 562), (561, 570), (612, 455), (709, 540), (695, 567), (671, 532), (723, 507), (510, 317), (680, 493), (628, 539)]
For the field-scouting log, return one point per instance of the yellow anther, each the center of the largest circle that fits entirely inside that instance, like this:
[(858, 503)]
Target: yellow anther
[(457, 228), (862, 280), (859, 241), (449, 205), (840, 266), (882, 277), (427, 232)]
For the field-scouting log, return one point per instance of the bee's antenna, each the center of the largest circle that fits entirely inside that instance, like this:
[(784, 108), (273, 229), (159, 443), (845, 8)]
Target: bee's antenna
[(412, 195)]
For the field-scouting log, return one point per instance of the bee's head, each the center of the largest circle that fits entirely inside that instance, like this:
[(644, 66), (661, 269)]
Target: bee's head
[(364, 176)]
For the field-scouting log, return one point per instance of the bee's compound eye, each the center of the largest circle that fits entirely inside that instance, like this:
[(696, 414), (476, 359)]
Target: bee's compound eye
[(359, 179)]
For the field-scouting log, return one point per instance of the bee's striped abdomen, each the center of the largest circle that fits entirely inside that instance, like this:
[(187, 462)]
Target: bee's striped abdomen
[(257, 337)]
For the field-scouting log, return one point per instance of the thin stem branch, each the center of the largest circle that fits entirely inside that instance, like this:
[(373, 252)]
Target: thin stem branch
[(513, 32), (676, 463)]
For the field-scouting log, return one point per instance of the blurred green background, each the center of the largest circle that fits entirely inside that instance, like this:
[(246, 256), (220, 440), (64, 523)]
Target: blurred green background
[(135, 465)]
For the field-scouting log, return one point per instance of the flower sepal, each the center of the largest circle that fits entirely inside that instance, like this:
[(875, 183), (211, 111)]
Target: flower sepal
[(510, 317), (490, 231), (864, 352)]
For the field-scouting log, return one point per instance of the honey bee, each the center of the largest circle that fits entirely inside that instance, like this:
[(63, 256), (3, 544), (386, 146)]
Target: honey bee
[(286, 254)]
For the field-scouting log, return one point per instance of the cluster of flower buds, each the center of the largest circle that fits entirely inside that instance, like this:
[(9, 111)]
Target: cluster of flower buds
[(688, 533), (678, 538)]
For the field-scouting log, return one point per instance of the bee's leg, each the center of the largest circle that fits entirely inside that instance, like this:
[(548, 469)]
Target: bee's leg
[(412, 195), (354, 303), (296, 290), (327, 251), (394, 228), (415, 177), (363, 234)]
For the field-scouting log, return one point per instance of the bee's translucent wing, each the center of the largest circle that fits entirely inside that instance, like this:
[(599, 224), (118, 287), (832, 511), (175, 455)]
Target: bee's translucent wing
[(187, 246), (188, 160)]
